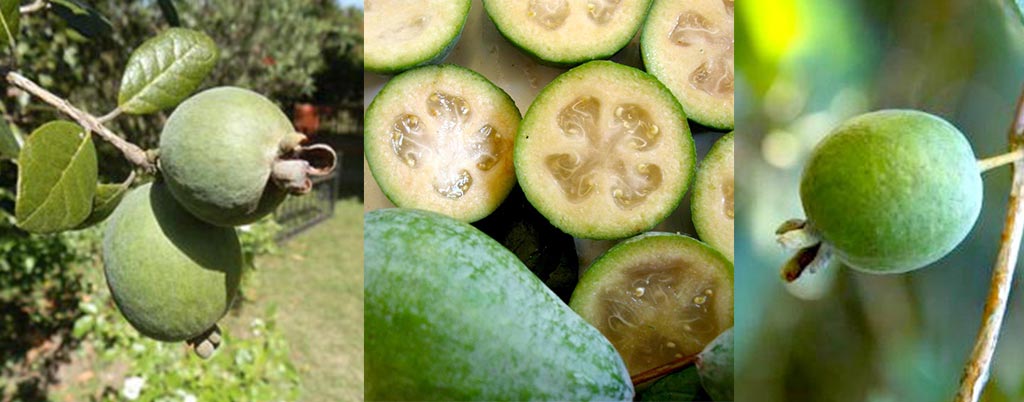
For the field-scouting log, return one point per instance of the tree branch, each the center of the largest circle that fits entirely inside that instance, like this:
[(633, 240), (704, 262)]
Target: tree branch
[(132, 152), (977, 369)]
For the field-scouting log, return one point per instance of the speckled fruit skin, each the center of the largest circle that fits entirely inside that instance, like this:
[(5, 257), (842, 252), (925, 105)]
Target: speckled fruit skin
[(171, 275), (216, 153), (453, 315), (892, 190)]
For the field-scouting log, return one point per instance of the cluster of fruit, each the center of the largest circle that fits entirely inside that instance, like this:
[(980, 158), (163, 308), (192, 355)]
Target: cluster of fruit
[(228, 157), (604, 152)]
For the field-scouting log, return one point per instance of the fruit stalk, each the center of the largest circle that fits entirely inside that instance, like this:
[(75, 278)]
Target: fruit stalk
[(132, 152), (976, 371), (999, 160)]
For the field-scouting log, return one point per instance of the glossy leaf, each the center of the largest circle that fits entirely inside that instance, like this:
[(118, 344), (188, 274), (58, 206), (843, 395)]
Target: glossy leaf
[(82, 17), (108, 197), (9, 21), (56, 178), (680, 386), (10, 145), (170, 12), (165, 70)]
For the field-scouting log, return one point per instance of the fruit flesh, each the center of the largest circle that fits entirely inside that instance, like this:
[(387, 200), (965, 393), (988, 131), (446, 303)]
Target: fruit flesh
[(892, 190), (689, 47), (452, 315), (657, 297), (217, 151), (604, 140), (440, 138), (567, 32), (713, 203), (399, 36), (171, 275)]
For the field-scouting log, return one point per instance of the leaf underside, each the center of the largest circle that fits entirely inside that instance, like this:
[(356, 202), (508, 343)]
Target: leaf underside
[(165, 70), (108, 197), (56, 178)]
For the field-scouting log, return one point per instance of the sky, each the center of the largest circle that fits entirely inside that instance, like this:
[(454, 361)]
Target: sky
[(357, 3)]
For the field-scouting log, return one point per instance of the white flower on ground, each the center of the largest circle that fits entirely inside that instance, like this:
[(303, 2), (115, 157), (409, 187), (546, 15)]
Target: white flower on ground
[(133, 387), (186, 397)]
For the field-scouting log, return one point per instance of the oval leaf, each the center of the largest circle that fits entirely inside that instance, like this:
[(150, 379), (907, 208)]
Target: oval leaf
[(82, 17), (9, 19), (10, 145), (165, 70), (108, 197), (56, 178)]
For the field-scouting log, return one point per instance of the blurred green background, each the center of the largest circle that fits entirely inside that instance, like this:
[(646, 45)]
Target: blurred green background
[(803, 66)]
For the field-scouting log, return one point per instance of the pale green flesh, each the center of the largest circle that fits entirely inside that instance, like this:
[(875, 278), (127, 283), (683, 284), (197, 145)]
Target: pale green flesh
[(713, 205), (658, 297), (452, 315), (171, 275), (399, 37)]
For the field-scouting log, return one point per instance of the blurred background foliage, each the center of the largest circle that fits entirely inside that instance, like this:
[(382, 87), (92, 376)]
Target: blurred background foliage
[(60, 335), (803, 67)]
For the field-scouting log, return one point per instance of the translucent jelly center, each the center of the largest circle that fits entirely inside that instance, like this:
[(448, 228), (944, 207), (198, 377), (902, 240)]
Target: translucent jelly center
[(714, 75), (727, 198), (601, 11), (447, 144), (600, 147), (653, 317), (549, 13)]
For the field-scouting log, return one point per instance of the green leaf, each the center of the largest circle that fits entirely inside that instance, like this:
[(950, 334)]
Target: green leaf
[(56, 178), (679, 386), (82, 17), (108, 197), (170, 12), (9, 21), (10, 144), (165, 70)]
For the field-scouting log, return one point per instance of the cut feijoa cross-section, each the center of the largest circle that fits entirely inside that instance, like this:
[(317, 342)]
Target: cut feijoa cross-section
[(658, 297), (604, 152), (688, 45), (401, 35), (568, 32), (440, 138), (712, 206)]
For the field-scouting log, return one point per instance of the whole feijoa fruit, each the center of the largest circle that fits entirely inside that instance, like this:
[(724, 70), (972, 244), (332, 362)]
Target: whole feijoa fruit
[(892, 191), (172, 276), (229, 156)]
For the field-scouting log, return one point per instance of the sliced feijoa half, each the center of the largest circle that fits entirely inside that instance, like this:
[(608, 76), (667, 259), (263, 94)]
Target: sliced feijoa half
[(604, 152), (401, 35), (688, 45), (712, 205), (568, 32), (658, 297), (439, 138)]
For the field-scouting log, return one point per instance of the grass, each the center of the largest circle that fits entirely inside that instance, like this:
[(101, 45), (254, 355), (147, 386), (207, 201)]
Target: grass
[(316, 284)]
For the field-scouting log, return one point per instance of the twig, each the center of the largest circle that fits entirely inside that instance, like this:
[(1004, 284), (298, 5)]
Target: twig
[(34, 6), (999, 160), (977, 369), (132, 152)]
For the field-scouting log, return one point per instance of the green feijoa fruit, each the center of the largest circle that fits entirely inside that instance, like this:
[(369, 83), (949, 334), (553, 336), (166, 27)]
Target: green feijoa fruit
[(453, 315), (715, 366), (230, 156), (712, 204), (172, 276), (688, 45), (546, 251), (891, 191), (401, 35), (439, 138), (659, 297), (568, 32), (604, 152)]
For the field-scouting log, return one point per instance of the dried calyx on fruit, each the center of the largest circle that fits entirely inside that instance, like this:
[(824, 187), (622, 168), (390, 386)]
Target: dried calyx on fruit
[(886, 192), (230, 156)]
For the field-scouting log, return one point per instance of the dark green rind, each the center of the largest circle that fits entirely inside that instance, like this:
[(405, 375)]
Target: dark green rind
[(715, 366), (216, 154), (717, 124), (172, 276), (370, 148), (613, 47), (893, 190), (436, 58), (452, 315), (537, 199), (700, 222)]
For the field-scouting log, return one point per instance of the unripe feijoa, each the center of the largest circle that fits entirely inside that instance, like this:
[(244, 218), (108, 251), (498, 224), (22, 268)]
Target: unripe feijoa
[(172, 276), (892, 191)]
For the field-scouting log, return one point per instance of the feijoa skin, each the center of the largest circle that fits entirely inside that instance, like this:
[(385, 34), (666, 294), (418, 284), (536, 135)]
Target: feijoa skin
[(712, 206), (401, 35), (172, 276), (892, 191)]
